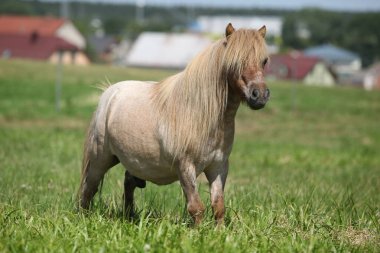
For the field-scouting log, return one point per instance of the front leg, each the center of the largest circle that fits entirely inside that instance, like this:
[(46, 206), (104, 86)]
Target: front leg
[(216, 177), (187, 175)]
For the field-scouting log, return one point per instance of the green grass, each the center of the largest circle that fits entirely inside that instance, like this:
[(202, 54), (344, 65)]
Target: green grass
[(304, 174)]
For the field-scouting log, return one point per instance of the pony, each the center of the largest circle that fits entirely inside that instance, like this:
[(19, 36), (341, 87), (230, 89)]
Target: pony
[(180, 127)]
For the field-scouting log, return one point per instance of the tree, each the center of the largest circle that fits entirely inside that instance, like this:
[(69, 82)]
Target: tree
[(15, 7), (357, 32)]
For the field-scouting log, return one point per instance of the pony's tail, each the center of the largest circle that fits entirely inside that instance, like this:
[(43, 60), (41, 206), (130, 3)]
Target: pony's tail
[(86, 158)]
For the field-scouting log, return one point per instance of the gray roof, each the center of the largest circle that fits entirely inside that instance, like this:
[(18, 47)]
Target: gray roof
[(101, 44), (166, 50), (331, 54)]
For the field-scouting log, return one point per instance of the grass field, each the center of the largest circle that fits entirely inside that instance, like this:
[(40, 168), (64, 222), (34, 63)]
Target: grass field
[(304, 173)]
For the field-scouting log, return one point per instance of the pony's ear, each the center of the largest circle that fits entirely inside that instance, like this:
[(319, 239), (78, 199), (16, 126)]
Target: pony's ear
[(263, 31), (229, 30)]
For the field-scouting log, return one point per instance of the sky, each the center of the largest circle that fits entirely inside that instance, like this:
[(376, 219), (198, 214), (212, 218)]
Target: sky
[(343, 5)]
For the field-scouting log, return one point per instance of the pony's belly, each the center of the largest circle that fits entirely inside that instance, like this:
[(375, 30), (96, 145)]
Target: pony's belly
[(149, 171), (131, 125), (143, 160)]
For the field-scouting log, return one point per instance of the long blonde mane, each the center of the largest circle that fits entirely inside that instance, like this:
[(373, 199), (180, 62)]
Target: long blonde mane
[(192, 103)]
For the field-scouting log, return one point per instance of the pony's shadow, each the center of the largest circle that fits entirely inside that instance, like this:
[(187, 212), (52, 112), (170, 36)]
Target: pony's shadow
[(114, 211)]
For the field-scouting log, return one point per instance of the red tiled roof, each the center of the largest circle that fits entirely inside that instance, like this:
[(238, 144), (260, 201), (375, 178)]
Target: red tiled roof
[(32, 46), (287, 66), (26, 25)]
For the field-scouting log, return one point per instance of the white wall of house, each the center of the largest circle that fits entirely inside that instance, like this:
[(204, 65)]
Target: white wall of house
[(81, 59), (69, 33), (320, 75), (166, 50), (217, 24), (68, 58), (348, 68), (369, 81)]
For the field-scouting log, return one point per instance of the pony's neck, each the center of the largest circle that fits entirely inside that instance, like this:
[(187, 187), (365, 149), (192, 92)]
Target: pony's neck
[(233, 103), (203, 80), (192, 103)]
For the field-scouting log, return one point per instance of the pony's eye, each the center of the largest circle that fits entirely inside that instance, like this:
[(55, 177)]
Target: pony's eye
[(265, 62)]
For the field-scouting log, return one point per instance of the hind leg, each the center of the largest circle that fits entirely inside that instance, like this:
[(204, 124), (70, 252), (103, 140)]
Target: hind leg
[(93, 174), (130, 184)]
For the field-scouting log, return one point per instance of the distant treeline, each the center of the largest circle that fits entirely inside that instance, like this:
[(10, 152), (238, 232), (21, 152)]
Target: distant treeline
[(358, 32)]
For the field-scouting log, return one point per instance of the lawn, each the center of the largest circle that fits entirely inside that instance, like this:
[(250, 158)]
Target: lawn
[(304, 173)]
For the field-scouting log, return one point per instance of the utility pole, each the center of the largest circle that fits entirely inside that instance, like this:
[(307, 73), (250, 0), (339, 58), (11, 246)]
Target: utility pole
[(58, 82), (65, 13), (294, 55)]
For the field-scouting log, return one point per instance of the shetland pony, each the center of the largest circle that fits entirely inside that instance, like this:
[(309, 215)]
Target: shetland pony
[(180, 127)]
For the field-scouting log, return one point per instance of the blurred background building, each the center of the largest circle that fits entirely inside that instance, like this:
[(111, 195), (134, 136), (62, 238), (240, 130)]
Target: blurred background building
[(344, 63), (312, 42), (166, 50), (41, 38), (302, 68)]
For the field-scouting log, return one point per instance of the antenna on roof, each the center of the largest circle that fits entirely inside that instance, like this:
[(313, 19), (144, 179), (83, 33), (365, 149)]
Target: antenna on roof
[(140, 4), (65, 9)]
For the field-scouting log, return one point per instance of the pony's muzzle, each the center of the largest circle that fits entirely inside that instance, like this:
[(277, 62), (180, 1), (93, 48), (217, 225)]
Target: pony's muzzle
[(258, 98)]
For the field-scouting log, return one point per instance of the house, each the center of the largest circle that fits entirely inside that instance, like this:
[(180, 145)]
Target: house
[(216, 25), (108, 49), (102, 45), (372, 77), (166, 50), (120, 52), (296, 66), (41, 38), (44, 26), (37, 47), (344, 63)]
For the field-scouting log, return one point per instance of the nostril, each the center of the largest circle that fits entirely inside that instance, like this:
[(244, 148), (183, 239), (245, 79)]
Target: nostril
[(255, 94), (267, 93)]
